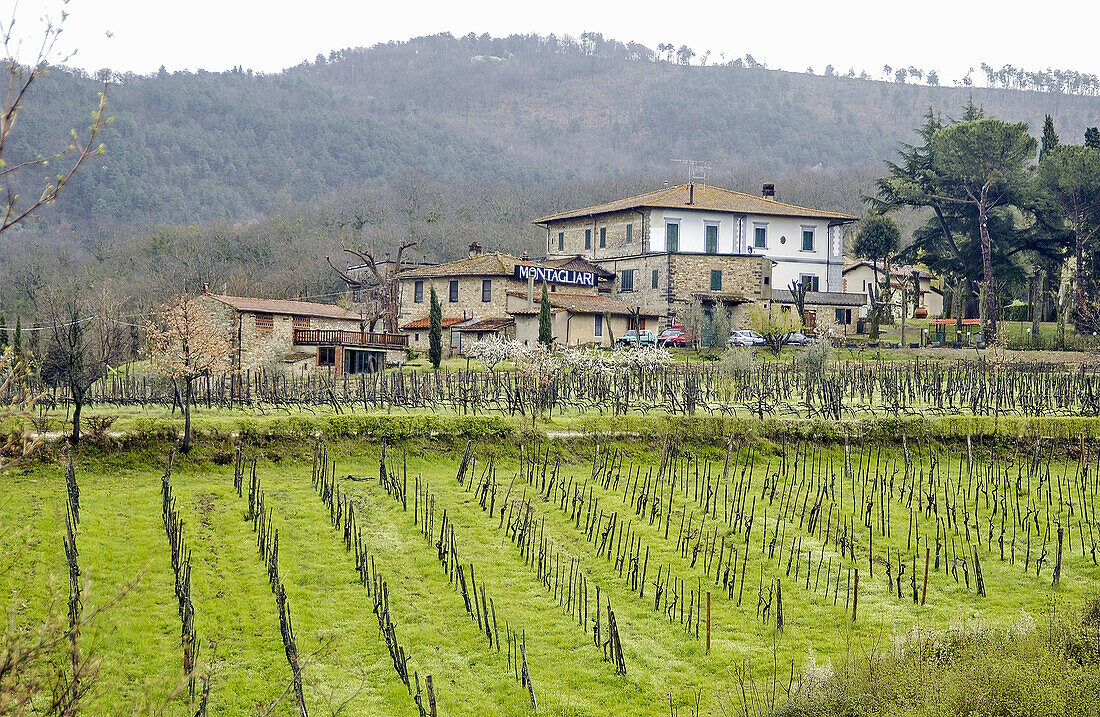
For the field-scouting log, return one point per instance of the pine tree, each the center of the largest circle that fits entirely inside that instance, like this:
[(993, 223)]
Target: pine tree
[(1092, 137), (546, 331), (435, 331), (1050, 137)]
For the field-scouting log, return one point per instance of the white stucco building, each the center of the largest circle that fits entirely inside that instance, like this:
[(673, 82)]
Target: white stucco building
[(700, 241)]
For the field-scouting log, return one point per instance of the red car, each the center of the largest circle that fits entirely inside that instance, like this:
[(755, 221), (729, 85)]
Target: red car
[(673, 336)]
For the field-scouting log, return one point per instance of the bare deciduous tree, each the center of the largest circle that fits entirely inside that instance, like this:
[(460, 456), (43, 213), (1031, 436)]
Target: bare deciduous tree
[(37, 171), (378, 291), (86, 339)]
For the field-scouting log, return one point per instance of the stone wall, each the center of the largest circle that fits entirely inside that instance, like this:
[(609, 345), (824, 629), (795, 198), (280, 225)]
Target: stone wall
[(254, 348), (614, 226), (469, 304)]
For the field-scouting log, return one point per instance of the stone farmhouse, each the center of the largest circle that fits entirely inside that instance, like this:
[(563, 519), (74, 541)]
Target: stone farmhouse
[(496, 294), (859, 277), (694, 240), (268, 333)]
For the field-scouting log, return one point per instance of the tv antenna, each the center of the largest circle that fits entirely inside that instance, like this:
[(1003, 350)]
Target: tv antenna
[(698, 170)]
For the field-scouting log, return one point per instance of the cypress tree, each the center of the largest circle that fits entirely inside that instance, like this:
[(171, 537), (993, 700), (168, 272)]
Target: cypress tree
[(17, 339), (1050, 137), (3, 332), (546, 331), (435, 331)]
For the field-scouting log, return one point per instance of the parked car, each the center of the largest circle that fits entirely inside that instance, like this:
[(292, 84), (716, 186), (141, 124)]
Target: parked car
[(797, 339), (744, 337), (644, 337), (673, 336)]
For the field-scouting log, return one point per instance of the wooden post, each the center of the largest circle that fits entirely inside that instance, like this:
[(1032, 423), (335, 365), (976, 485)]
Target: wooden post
[(708, 622), (855, 595), (924, 590), (431, 697)]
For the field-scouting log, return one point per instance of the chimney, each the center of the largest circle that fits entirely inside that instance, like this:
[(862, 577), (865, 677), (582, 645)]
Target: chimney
[(475, 249), (769, 191), (691, 192)]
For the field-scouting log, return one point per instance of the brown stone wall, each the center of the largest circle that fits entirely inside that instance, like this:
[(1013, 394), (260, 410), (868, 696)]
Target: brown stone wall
[(643, 293), (741, 276), (469, 304), (258, 348), (615, 225)]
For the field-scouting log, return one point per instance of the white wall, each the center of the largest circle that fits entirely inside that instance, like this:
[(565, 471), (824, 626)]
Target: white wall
[(784, 242)]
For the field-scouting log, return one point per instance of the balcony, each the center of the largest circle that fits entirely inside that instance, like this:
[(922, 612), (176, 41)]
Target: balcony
[(335, 337)]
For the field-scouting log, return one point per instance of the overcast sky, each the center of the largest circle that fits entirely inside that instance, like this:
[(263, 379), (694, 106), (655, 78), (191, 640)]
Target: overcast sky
[(946, 35)]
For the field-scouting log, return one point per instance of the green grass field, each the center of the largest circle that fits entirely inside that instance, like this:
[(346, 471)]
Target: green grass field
[(121, 539)]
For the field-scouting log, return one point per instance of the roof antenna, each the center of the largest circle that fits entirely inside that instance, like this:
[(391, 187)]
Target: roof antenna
[(698, 170)]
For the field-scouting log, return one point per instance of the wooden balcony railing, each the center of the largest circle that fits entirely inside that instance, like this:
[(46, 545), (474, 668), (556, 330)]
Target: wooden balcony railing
[(335, 337)]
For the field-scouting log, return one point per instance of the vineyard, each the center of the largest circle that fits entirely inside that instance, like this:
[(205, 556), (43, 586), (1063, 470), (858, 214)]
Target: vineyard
[(780, 389), (589, 576)]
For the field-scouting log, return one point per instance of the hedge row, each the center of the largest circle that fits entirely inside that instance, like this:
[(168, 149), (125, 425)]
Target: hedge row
[(689, 429)]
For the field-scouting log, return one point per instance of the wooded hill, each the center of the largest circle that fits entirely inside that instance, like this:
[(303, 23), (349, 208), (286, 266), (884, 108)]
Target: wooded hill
[(470, 137)]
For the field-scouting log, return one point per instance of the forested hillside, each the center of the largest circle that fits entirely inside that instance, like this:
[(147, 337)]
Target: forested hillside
[(452, 139)]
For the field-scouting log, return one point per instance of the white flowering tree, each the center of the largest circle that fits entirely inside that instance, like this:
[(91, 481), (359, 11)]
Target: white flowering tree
[(184, 345), (491, 351)]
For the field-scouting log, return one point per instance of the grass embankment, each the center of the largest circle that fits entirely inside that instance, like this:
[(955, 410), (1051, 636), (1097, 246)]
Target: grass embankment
[(122, 537)]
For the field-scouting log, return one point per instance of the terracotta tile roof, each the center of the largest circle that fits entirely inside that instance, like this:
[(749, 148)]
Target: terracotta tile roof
[(584, 304), (285, 307), (821, 298), (426, 322), (495, 264), (905, 270), (706, 197), (491, 324)]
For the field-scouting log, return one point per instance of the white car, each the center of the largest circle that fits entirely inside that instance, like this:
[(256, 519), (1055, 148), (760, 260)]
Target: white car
[(746, 338)]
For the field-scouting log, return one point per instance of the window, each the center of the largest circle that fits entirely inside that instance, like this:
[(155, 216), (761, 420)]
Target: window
[(299, 323), (486, 290), (597, 328), (715, 279), (672, 237), (760, 236), (326, 355), (656, 277), (627, 282), (603, 237), (418, 292), (265, 322), (629, 233), (452, 291), (844, 316), (711, 233), (807, 239), (561, 241), (587, 238), (810, 280)]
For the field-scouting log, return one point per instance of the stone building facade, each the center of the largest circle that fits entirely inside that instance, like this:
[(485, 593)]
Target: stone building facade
[(283, 334), (498, 294)]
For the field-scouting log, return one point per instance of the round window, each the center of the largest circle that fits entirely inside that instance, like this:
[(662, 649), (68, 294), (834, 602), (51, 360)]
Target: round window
[(782, 240)]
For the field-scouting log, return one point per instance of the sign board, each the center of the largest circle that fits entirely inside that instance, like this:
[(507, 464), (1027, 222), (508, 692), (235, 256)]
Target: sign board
[(549, 275)]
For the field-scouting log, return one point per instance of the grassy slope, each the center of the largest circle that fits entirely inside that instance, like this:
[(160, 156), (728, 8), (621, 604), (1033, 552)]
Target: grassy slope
[(122, 535)]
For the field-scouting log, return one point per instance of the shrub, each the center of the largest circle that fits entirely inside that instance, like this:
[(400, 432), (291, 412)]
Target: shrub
[(815, 357)]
